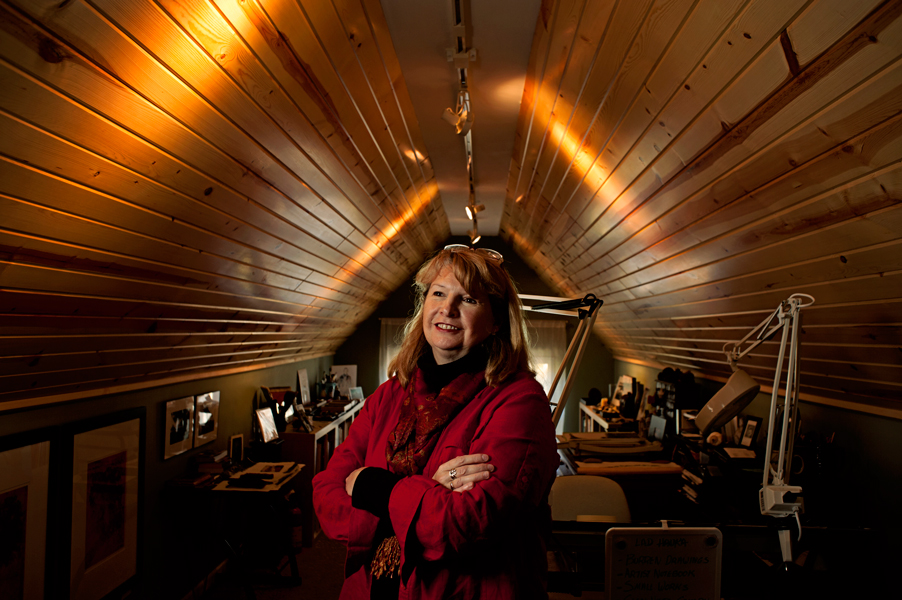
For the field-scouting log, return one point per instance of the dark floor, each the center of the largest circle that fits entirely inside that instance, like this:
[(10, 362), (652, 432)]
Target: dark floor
[(320, 566), (321, 569)]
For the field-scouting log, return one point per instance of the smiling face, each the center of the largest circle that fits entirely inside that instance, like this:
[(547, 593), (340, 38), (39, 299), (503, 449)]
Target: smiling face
[(454, 320)]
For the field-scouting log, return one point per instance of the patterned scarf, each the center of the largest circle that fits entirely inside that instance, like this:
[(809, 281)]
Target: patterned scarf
[(423, 418)]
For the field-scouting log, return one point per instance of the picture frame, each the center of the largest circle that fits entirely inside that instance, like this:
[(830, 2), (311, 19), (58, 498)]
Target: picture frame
[(107, 491), (345, 377), (356, 393), (236, 449), (267, 424), (178, 431), (656, 427), (25, 505), (303, 387), (750, 431), (206, 418)]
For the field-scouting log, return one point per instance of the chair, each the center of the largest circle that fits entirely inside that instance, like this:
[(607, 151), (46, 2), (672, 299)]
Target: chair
[(588, 498)]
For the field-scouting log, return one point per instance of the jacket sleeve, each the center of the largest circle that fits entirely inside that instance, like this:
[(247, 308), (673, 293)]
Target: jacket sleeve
[(330, 500), (517, 434)]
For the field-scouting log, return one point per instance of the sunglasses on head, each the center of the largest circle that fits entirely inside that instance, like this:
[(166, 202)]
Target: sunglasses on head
[(489, 254)]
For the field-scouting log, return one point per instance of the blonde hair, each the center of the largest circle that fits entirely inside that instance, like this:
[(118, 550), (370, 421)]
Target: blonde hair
[(507, 348)]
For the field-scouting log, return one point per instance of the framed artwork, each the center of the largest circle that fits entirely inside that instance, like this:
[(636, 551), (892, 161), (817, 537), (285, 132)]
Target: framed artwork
[(107, 490), (179, 428), (656, 427), (346, 378), (24, 483), (356, 393), (206, 418), (267, 424), (303, 387), (236, 449), (750, 432)]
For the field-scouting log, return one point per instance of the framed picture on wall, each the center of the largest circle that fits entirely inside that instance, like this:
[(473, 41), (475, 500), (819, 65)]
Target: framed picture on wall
[(206, 418), (178, 431), (24, 483), (106, 490)]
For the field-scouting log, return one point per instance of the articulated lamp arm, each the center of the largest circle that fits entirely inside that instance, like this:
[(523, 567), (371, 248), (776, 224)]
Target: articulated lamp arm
[(587, 310), (776, 497)]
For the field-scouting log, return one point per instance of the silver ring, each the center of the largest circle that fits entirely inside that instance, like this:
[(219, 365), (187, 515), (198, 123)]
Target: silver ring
[(453, 474)]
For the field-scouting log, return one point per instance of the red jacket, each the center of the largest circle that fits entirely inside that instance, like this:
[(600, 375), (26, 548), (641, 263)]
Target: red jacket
[(484, 543)]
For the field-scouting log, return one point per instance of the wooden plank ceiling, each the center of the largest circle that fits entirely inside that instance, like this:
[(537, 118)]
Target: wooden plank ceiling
[(200, 186), (189, 187), (696, 162)]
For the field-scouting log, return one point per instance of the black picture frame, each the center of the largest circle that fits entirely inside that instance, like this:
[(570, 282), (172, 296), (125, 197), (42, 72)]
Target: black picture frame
[(27, 479), (101, 528), (236, 449), (750, 432)]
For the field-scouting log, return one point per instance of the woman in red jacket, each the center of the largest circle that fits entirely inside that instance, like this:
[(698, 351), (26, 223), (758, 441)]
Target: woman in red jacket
[(440, 489)]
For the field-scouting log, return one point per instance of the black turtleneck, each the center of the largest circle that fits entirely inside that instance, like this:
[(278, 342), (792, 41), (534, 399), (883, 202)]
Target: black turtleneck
[(437, 376)]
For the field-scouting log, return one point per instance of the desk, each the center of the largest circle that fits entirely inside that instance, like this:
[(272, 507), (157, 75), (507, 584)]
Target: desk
[(315, 449), (590, 420), (650, 481), (255, 513), (248, 524)]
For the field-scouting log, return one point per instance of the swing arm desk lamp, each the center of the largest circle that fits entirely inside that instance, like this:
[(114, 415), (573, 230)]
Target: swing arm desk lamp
[(776, 497), (586, 310)]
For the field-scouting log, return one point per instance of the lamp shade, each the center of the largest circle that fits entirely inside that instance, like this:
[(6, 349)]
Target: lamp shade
[(735, 395)]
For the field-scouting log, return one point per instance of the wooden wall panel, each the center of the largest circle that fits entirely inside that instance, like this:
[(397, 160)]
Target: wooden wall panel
[(759, 158), (198, 186)]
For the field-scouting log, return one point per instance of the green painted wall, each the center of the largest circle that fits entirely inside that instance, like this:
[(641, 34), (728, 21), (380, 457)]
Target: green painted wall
[(175, 546)]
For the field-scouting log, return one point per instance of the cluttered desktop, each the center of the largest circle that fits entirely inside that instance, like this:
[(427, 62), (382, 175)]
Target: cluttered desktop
[(687, 469)]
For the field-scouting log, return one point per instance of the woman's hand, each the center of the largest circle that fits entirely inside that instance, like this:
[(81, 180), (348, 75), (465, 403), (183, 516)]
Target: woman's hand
[(461, 474), (350, 479)]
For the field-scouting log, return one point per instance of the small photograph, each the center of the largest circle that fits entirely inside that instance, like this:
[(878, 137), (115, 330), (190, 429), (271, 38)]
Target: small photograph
[(267, 424), (356, 393), (750, 433), (206, 418), (179, 428), (345, 376)]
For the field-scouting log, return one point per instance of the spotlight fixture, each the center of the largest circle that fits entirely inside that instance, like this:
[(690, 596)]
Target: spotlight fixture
[(472, 209), (474, 235), (460, 118)]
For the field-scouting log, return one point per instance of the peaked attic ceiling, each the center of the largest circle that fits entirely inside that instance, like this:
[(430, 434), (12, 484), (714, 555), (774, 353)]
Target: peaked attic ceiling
[(695, 163), (190, 187)]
